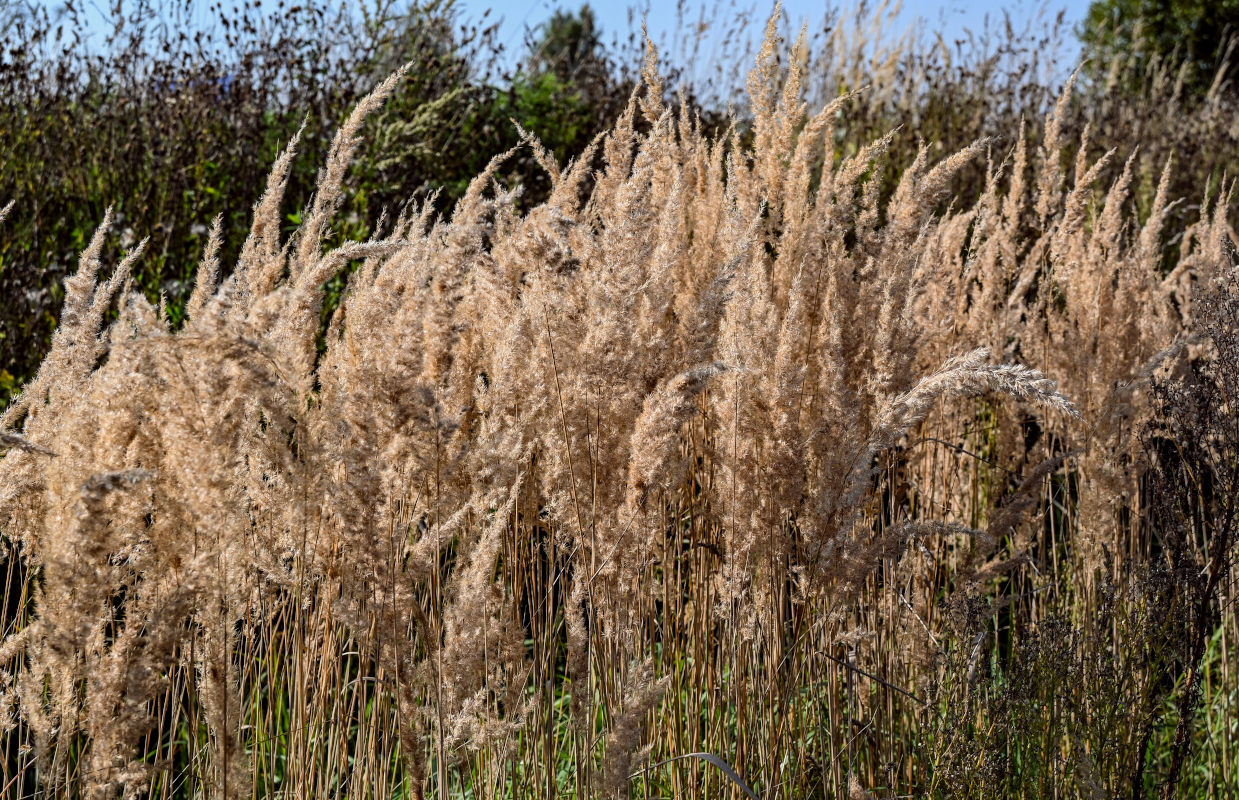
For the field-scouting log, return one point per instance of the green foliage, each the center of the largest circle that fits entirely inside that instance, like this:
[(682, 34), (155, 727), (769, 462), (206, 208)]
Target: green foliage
[(570, 44), (172, 131), (448, 141), (1197, 33)]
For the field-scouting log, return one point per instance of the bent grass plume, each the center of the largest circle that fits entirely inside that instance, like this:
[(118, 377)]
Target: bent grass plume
[(596, 451)]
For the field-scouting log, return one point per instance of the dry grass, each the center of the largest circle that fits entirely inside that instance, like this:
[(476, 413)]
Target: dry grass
[(670, 454)]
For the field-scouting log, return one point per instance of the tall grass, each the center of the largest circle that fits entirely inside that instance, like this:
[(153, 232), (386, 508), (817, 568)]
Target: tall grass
[(171, 121), (722, 470)]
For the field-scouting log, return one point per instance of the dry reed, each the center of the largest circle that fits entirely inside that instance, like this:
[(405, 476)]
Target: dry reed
[(633, 450)]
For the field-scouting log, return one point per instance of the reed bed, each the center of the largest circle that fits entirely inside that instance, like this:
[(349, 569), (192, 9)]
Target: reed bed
[(727, 470)]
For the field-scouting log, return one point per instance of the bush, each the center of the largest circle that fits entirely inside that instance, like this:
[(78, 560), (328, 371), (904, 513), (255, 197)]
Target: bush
[(170, 131)]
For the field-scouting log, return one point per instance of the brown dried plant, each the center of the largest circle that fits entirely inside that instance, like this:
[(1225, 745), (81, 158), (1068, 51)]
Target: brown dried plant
[(636, 432)]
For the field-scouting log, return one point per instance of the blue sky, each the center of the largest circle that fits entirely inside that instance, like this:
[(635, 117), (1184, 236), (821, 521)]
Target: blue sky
[(955, 14), (952, 17)]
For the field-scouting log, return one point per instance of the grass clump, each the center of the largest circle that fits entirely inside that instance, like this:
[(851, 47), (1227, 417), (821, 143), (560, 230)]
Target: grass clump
[(720, 449)]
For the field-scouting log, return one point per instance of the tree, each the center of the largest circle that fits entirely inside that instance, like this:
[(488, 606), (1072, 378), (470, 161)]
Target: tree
[(568, 44), (1195, 32)]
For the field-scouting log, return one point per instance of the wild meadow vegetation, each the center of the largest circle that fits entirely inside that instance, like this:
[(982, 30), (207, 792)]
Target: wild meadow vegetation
[(874, 439)]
